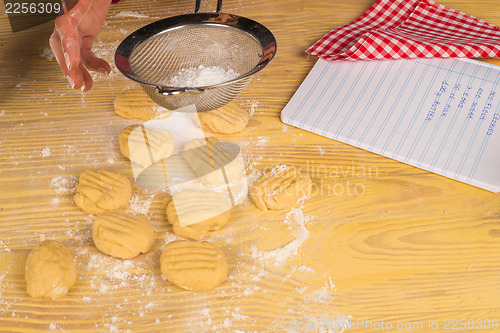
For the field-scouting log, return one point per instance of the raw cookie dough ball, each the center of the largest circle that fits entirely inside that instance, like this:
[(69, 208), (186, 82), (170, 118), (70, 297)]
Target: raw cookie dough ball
[(280, 188), (144, 145), (193, 265), (100, 191), (50, 271), (214, 162), (227, 119), (193, 214), (135, 104), (121, 235)]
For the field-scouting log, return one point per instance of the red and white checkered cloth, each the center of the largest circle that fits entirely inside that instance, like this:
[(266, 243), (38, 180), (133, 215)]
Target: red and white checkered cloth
[(393, 29)]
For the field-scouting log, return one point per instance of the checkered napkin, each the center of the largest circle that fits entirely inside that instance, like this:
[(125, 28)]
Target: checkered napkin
[(393, 29)]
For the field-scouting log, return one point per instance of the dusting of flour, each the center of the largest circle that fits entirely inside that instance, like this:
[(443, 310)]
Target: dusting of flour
[(297, 221)]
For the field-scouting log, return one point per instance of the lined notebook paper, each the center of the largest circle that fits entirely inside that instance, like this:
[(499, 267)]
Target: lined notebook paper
[(441, 115)]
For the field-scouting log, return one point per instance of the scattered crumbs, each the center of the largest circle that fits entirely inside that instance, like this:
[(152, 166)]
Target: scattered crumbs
[(64, 185), (123, 31), (46, 152), (43, 238), (321, 150), (53, 326), (285, 128), (139, 206), (47, 54), (2, 112), (20, 84), (110, 160), (130, 13)]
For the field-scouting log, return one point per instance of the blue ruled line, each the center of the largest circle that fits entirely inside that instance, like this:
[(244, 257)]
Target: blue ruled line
[(310, 91), (414, 117), (346, 97), (402, 113), (463, 128), (481, 151), (355, 104), (452, 124), (440, 119), (325, 89), (474, 135)]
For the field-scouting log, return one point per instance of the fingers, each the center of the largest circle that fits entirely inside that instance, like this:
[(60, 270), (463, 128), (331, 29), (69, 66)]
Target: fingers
[(87, 79), (78, 76), (94, 63), (60, 43), (67, 30), (90, 60), (71, 42), (71, 75), (55, 45)]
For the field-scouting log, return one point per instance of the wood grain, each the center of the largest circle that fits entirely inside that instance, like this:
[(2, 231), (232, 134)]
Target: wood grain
[(377, 242)]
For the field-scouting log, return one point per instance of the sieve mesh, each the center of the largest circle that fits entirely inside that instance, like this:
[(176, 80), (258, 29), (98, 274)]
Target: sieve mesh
[(154, 54), (161, 57)]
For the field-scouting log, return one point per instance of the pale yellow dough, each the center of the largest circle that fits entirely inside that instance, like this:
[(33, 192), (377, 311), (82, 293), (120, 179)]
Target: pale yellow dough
[(227, 119), (50, 271), (280, 188), (135, 104), (121, 235), (193, 265), (214, 162), (193, 214), (144, 145), (100, 191)]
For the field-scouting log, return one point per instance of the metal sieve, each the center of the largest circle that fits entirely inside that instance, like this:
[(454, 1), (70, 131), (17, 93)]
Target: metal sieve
[(154, 54)]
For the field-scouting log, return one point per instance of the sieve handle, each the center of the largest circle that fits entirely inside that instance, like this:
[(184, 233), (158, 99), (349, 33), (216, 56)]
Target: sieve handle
[(198, 3), (178, 92)]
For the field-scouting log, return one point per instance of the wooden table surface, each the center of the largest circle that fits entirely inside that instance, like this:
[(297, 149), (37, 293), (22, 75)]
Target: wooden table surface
[(379, 244)]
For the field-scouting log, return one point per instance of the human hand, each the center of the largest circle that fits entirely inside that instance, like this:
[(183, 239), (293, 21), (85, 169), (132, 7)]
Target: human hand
[(72, 40)]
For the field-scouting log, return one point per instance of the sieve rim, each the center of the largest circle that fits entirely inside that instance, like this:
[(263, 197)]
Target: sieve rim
[(133, 41)]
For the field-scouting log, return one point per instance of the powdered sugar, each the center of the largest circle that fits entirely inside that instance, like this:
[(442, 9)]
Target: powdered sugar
[(202, 76)]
